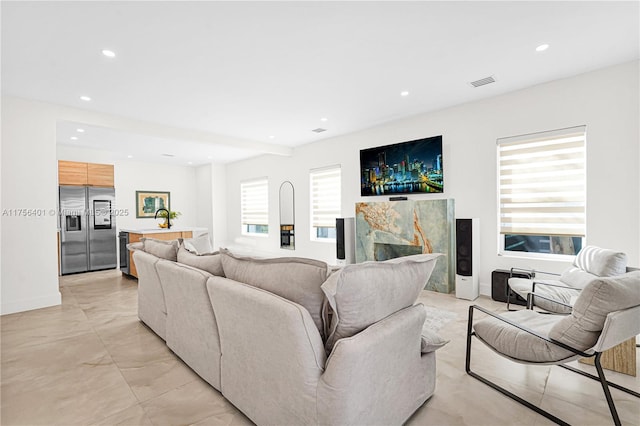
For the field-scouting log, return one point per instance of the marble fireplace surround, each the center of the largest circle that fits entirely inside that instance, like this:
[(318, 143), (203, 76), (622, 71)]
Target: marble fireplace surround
[(389, 229)]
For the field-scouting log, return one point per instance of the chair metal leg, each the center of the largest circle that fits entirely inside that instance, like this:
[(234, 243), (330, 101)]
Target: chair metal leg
[(605, 388), (500, 389), (591, 376)]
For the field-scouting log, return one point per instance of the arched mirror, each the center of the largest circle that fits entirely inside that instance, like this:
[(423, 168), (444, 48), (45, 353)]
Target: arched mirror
[(287, 216)]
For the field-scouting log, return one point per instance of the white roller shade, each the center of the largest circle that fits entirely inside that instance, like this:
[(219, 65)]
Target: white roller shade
[(542, 183), (254, 202), (325, 196)]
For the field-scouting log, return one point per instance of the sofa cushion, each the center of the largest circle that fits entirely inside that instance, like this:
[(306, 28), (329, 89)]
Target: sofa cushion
[(294, 278), (199, 245), (160, 248), (557, 290), (212, 263), (581, 329), (577, 278), (601, 262), (519, 344), (365, 293)]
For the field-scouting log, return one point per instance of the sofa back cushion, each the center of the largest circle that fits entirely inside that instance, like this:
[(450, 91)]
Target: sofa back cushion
[(600, 297), (365, 293), (212, 263), (576, 278), (200, 245), (163, 249), (601, 262), (294, 278)]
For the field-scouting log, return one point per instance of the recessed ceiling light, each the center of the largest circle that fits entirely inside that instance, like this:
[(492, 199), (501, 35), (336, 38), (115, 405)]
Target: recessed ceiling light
[(209, 157), (404, 93), (85, 98), (324, 119), (129, 156), (109, 53), (542, 48), (271, 137), (74, 138), (80, 130), (190, 162)]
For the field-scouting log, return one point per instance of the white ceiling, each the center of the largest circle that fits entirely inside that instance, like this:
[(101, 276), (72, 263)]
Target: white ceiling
[(245, 71)]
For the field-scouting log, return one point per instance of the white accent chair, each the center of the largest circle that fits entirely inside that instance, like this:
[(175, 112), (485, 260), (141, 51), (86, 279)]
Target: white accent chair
[(605, 314), (555, 295)]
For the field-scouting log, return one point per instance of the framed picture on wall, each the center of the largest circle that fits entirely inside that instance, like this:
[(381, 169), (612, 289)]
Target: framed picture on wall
[(148, 202)]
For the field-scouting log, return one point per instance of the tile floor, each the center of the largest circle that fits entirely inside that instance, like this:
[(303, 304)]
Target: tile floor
[(91, 362)]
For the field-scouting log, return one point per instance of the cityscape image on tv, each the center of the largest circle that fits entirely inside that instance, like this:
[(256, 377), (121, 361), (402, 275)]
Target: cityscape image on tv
[(407, 167)]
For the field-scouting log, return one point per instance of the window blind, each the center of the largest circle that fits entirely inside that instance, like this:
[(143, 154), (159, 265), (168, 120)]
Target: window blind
[(254, 204), (542, 183), (325, 196)]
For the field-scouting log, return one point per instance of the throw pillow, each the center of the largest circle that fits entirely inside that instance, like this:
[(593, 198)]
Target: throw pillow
[(160, 248), (582, 328), (199, 245), (365, 293), (294, 278), (601, 262), (431, 341), (212, 263), (135, 246)]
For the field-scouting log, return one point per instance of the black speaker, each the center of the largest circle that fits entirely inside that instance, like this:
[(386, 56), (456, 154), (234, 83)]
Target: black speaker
[(340, 238), (464, 249), (500, 288), (467, 251), (345, 240)]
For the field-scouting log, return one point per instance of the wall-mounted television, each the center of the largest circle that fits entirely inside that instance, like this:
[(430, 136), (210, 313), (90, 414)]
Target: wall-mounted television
[(402, 168)]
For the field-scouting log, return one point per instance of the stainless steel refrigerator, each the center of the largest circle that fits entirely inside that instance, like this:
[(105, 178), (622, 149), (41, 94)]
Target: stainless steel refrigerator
[(87, 229)]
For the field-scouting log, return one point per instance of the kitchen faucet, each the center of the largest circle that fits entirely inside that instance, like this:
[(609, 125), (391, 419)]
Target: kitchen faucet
[(168, 215)]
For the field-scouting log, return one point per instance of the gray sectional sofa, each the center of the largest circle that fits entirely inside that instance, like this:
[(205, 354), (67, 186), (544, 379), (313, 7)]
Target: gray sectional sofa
[(289, 341)]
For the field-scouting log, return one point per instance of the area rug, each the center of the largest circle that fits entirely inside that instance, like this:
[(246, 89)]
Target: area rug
[(438, 318)]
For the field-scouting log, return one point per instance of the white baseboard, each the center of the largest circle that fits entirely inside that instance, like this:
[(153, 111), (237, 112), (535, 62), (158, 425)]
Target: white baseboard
[(485, 289), (30, 304)]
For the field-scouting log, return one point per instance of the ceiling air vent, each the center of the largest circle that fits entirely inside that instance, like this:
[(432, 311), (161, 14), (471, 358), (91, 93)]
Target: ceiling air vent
[(483, 81), (168, 155), (319, 130)]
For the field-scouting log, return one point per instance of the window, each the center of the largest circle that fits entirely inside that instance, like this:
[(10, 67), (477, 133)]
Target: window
[(325, 202), (254, 207), (542, 192)]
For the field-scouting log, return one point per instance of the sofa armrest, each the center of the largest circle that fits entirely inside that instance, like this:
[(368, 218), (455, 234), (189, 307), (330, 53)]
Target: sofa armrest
[(191, 328), (379, 375), (152, 309)]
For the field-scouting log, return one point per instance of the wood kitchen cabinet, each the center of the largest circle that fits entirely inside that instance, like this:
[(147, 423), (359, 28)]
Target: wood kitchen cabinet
[(100, 175), (72, 173), (81, 174)]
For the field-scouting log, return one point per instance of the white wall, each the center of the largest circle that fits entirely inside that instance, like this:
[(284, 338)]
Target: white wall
[(606, 101), (29, 176), (218, 199)]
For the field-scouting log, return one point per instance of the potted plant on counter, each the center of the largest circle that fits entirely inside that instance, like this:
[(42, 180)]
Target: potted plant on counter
[(172, 216)]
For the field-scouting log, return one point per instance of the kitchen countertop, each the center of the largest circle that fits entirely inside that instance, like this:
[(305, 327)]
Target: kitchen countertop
[(194, 229)]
